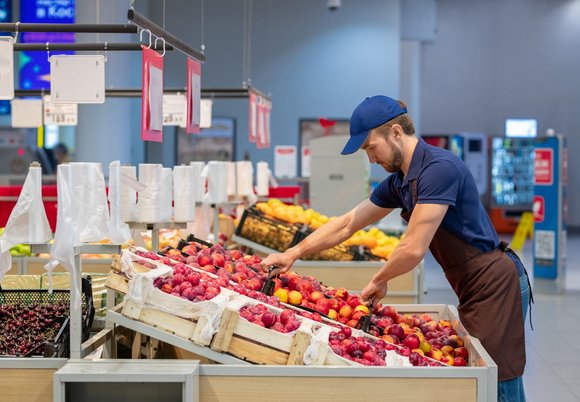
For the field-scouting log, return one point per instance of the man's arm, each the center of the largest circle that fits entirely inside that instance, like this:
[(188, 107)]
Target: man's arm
[(329, 235), (424, 223)]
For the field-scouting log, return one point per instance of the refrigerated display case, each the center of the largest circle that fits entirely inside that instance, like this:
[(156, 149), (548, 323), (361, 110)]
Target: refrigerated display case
[(512, 181)]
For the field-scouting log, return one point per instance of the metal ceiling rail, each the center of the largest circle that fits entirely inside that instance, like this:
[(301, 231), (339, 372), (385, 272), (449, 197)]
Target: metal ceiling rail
[(80, 47), (78, 28), (159, 32), (221, 93)]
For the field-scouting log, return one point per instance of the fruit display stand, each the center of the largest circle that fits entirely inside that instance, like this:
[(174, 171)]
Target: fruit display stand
[(235, 379), (21, 372), (407, 288)]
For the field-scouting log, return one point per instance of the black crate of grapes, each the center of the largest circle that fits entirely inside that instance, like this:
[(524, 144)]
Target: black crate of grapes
[(35, 323)]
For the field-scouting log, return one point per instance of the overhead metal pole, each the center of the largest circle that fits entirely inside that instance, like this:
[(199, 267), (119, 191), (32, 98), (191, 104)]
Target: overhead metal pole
[(158, 31), (51, 46), (221, 93), (78, 28)]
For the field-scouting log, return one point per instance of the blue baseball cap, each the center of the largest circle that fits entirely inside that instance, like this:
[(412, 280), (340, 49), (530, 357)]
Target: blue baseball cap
[(371, 113)]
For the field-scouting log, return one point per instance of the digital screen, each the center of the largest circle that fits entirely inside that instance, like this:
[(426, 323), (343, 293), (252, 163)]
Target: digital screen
[(521, 127), (474, 145), (34, 65), (5, 16)]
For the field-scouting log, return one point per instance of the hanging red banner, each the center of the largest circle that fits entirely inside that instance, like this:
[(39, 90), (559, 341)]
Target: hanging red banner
[(252, 117), (267, 122), (193, 96), (151, 96), (261, 114)]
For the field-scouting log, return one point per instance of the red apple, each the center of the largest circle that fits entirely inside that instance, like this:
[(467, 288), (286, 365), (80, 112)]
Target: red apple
[(459, 361), (461, 352), (397, 331), (412, 341), (204, 259)]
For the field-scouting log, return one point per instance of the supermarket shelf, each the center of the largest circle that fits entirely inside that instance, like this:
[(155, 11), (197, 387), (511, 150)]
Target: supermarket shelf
[(87, 248), (118, 319)]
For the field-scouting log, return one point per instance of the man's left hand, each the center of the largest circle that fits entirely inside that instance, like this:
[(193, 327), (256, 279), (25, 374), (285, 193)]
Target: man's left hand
[(373, 292)]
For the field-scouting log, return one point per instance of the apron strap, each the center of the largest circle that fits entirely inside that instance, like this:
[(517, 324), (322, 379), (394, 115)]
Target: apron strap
[(503, 246)]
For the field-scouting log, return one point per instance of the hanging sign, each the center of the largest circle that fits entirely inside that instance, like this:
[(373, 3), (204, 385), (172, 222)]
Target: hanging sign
[(174, 110), (193, 96), (206, 107), (261, 133), (152, 96), (60, 114), (77, 79), (267, 122), (252, 117), (26, 113), (285, 161), (6, 67)]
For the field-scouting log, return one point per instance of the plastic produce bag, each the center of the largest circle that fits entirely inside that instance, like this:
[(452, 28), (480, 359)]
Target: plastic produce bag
[(27, 222), (119, 231)]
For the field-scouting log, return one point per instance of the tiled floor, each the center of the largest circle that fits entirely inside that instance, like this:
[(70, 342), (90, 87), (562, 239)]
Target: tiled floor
[(553, 347)]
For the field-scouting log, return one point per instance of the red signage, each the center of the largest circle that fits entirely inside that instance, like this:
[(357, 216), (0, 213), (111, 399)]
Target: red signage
[(538, 208), (544, 167)]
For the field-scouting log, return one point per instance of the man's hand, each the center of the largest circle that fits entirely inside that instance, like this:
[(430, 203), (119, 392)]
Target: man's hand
[(283, 262), (373, 292)]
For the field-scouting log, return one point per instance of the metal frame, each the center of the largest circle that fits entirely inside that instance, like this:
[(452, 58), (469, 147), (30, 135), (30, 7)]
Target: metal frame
[(219, 93), (133, 371), (87, 47), (78, 28), (169, 38), (154, 227)]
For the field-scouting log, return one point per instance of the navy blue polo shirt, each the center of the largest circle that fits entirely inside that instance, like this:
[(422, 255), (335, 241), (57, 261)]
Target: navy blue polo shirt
[(442, 178)]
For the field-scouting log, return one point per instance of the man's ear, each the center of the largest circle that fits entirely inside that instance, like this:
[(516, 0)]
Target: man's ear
[(397, 130)]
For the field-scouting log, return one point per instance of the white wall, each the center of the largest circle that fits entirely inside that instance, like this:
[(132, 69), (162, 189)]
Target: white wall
[(494, 59)]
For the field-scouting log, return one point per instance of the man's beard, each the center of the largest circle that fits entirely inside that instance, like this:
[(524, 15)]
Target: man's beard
[(397, 162)]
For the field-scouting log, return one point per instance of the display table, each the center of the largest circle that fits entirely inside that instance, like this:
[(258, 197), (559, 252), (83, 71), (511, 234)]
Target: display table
[(355, 275), (35, 265), (129, 380), (28, 379)]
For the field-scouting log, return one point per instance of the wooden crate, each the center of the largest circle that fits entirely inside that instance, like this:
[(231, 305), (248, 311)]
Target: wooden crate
[(256, 344), (354, 276), (184, 328)]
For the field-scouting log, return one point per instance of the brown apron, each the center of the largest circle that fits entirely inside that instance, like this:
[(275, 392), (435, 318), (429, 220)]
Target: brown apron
[(488, 287)]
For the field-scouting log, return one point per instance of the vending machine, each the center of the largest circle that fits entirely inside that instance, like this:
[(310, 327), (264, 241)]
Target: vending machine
[(512, 186), (550, 210)]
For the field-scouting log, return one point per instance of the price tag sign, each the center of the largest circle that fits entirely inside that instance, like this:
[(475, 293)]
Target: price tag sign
[(174, 110), (60, 114)]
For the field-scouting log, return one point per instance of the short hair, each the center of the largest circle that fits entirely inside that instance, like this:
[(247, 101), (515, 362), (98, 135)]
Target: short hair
[(404, 120), (60, 148)]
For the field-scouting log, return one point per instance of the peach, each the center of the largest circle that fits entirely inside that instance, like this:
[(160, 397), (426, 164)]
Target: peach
[(459, 361), (363, 308), (448, 351), (436, 354), (425, 346), (332, 314), (412, 341), (345, 311), (341, 293), (281, 294), (315, 296), (294, 297)]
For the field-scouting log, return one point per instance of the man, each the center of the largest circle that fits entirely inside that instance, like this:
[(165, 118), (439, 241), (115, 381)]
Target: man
[(439, 199)]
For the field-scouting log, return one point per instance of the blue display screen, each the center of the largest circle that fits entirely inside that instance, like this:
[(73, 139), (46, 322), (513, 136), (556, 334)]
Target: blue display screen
[(34, 66), (5, 16)]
